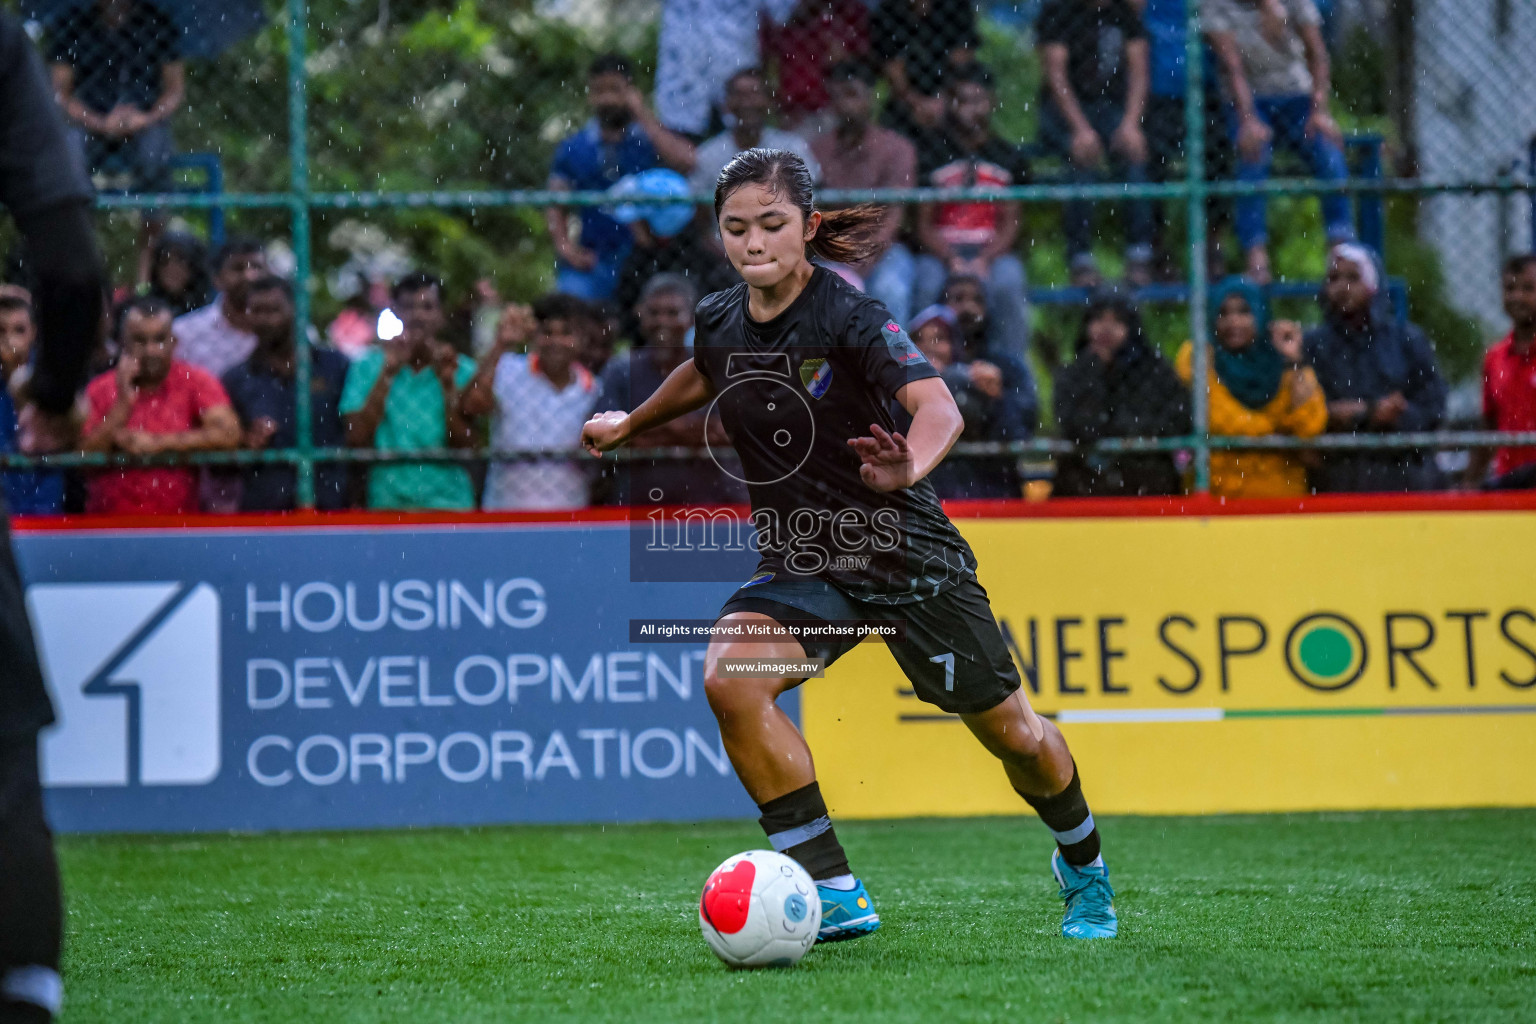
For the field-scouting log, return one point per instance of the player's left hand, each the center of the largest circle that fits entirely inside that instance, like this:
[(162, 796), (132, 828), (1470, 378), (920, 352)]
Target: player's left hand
[(885, 460)]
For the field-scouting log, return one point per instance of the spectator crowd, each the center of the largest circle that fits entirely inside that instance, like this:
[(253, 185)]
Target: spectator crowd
[(203, 355)]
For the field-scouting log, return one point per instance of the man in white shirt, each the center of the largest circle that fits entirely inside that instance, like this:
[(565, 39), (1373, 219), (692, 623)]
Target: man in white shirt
[(537, 402), (217, 337), (702, 43), (749, 103)]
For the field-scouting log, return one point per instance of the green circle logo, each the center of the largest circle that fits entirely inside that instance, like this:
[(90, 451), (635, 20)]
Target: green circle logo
[(1325, 651)]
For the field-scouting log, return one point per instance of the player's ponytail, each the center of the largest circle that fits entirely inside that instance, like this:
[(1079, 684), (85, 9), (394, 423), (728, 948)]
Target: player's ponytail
[(849, 235)]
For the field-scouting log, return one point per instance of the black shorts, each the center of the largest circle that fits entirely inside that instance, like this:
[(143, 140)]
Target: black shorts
[(953, 651)]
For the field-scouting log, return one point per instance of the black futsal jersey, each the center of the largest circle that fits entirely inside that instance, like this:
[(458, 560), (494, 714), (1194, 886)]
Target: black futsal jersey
[(791, 392)]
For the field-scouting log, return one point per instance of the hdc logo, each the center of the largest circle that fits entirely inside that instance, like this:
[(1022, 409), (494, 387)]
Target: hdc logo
[(134, 670)]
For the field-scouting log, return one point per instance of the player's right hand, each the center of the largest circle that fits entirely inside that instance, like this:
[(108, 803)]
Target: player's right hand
[(605, 432)]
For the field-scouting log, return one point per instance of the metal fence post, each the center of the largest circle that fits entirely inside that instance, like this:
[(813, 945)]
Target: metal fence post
[(299, 198), (1194, 161)]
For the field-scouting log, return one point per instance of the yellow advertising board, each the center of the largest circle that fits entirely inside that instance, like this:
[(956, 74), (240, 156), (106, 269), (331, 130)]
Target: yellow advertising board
[(1226, 663)]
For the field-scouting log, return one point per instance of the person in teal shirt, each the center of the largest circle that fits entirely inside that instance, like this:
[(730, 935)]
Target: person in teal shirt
[(404, 393)]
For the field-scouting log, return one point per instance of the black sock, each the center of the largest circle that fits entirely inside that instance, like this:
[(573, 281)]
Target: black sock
[(23, 1013), (1067, 816), (798, 826)]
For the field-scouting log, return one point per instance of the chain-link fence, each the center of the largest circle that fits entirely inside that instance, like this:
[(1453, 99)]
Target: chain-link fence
[(1321, 222)]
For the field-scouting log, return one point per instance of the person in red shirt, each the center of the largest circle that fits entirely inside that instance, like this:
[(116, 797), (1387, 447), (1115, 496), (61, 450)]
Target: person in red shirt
[(1509, 383), (818, 35), (150, 404)]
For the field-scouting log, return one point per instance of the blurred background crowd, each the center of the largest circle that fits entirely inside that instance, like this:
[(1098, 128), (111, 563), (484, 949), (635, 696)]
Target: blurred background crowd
[(1066, 320)]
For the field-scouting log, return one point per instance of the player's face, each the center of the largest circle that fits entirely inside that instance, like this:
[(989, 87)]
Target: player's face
[(238, 273), (664, 319), (933, 342), (970, 105), (1345, 287), (1235, 323), (421, 313), (270, 314), (16, 335), (608, 96), (1520, 297), (149, 340), (765, 234)]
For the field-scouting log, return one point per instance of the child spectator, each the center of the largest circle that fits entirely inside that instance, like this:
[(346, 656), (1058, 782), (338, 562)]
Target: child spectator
[(966, 297), (1379, 375), (1118, 386), (118, 73), (178, 272), (1258, 386), (405, 394), (665, 316), (918, 43), (537, 402), (261, 389), (622, 138), (151, 404), (1277, 76), (28, 492), (701, 44), (818, 36), (667, 239), (967, 236), (989, 410), (1092, 101), (218, 337), (748, 102), (857, 153), (1509, 383)]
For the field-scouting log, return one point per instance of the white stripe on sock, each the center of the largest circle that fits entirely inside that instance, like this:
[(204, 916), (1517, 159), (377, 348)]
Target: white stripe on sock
[(35, 984), (1075, 835), (795, 836)]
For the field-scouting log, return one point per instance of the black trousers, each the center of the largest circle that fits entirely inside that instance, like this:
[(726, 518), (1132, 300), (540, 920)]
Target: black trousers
[(31, 912)]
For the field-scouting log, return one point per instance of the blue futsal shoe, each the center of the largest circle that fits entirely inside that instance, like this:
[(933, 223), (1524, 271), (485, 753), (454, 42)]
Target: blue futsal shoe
[(846, 913), (1090, 900)]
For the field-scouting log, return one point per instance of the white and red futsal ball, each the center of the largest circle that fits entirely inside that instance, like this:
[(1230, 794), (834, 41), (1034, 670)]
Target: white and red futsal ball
[(760, 909)]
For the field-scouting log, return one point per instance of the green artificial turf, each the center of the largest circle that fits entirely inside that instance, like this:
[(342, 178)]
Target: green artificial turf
[(1410, 916)]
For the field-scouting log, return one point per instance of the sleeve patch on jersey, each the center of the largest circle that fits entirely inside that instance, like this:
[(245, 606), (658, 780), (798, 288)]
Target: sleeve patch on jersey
[(900, 345)]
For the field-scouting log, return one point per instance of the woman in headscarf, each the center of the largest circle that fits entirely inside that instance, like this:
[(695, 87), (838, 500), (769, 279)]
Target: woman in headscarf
[(1258, 386), (1379, 375), (178, 272), (1118, 386)]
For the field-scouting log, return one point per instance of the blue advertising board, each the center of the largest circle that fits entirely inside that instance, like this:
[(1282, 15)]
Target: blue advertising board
[(340, 677)]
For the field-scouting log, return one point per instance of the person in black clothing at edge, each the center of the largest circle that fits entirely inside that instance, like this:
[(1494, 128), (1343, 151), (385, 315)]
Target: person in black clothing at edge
[(1118, 386), (801, 368), (44, 185)]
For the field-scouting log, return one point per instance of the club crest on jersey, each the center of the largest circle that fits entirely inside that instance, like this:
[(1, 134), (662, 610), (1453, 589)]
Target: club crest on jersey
[(816, 375), (900, 344)]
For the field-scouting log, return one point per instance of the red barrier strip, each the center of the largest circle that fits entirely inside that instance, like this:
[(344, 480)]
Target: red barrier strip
[(1007, 508)]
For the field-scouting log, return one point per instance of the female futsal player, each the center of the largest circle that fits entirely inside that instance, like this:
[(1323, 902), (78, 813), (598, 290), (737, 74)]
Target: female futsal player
[(801, 368)]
